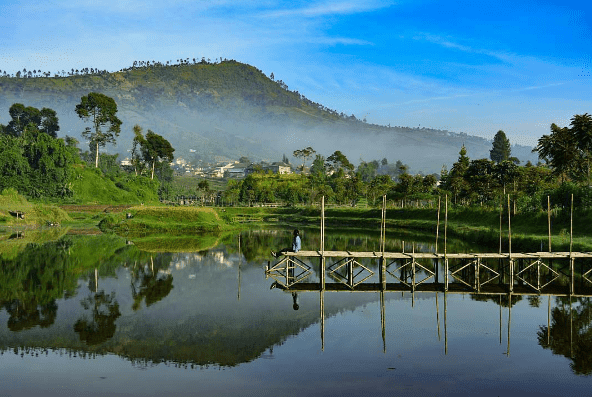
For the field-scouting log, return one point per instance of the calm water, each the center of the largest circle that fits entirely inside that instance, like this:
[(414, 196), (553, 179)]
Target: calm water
[(203, 319)]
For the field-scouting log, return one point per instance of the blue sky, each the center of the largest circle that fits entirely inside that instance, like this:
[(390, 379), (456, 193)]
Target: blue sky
[(469, 66)]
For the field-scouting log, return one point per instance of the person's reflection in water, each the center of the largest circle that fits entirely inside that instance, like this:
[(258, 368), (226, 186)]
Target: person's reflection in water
[(295, 306)]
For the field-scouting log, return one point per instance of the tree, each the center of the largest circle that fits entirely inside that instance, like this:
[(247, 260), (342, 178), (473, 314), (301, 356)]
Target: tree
[(100, 110), (337, 161), (500, 150), (455, 180), (155, 148), (304, 154), (45, 120), (560, 151), (136, 148), (49, 122), (581, 128)]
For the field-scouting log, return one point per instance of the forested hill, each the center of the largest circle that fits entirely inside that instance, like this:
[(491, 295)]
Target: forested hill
[(229, 109)]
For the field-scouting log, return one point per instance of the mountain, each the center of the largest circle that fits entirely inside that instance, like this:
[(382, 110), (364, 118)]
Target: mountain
[(216, 111)]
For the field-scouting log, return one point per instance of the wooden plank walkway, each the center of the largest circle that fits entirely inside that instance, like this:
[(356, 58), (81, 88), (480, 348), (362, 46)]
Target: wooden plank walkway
[(429, 255)]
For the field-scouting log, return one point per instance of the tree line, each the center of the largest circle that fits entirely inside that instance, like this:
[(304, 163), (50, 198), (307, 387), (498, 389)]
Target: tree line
[(37, 163), (565, 169)]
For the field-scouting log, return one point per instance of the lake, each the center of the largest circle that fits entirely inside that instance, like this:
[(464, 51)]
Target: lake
[(101, 315)]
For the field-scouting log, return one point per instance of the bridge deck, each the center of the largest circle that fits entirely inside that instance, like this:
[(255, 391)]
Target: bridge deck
[(427, 255)]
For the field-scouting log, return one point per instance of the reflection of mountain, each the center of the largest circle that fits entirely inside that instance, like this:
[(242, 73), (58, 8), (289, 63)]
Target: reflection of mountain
[(197, 320)]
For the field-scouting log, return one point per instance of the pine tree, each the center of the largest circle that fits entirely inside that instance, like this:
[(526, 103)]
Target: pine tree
[(501, 148)]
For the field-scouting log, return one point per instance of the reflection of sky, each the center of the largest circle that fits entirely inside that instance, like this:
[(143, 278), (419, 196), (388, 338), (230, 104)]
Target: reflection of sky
[(352, 362)]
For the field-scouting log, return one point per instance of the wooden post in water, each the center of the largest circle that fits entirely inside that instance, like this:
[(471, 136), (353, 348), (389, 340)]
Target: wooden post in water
[(549, 320), (322, 307), (549, 220), (322, 259), (500, 306), (445, 323), (239, 267), (382, 244), (383, 321), (509, 320), (438, 316), (510, 251), (571, 258)]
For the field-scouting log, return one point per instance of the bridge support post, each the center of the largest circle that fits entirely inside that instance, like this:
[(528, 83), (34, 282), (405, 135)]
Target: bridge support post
[(572, 271), (445, 274), (322, 272), (511, 281), (382, 264)]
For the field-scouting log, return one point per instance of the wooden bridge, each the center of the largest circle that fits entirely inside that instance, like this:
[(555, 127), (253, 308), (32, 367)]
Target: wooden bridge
[(502, 274)]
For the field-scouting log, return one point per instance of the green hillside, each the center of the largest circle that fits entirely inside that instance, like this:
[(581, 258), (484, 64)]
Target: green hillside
[(229, 109)]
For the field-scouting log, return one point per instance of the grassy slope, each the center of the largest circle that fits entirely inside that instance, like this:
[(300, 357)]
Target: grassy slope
[(172, 220), (35, 214), (91, 187)]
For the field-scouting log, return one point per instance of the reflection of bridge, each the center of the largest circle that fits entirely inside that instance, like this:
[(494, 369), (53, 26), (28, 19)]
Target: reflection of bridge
[(494, 275), (524, 273), (503, 274)]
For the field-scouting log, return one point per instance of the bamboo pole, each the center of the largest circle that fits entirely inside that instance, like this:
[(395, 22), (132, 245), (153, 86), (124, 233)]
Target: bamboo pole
[(438, 224), (322, 308), (500, 227), (509, 320), (511, 263), (549, 320), (500, 307), (509, 229), (571, 226), (445, 323), (383, 321), (322, 259), (383, 244), (438, 315), (549, 220), (445, 258), (322, 225)]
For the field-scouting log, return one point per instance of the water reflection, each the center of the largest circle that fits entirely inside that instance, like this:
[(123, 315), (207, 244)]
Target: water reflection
[(100, 325), (570, 332), (212, 306)]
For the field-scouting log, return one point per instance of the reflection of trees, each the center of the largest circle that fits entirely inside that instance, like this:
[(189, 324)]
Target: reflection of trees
[(570, 333), (149, 284), (26, 315), (32, 281), (101, 326), (501, 300)]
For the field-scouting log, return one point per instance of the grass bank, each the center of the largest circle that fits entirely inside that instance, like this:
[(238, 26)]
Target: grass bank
[(16, 211), (476, 225), (147, 220)]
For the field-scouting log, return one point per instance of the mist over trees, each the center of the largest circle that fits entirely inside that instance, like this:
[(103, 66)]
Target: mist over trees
[(225, 108)]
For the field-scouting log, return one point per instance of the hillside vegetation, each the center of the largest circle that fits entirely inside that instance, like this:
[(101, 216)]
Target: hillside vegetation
[(230, 109), (90, 186)]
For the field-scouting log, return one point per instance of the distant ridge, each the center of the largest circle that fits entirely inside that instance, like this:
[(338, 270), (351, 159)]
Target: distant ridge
[(230, 109)]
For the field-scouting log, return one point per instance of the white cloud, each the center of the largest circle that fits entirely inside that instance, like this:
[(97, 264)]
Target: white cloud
[(332, 8)]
